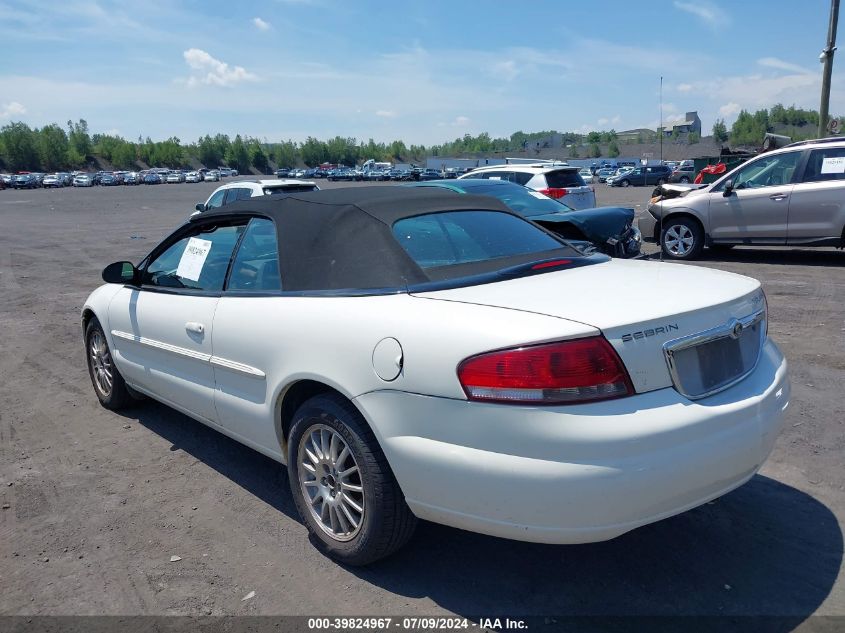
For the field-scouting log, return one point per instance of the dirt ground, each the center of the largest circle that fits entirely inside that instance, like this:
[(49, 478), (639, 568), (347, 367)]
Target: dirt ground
[(96, 503)]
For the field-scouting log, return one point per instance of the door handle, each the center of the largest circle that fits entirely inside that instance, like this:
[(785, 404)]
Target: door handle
[(196, 328), (778, 196)]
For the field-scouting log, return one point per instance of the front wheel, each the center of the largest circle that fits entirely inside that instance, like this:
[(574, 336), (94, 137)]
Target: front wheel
[(682, 238), (660, 181), (625, 183), (109, 385), (684, 179), (343, 486)]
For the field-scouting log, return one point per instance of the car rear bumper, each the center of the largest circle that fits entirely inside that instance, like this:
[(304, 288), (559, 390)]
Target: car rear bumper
[(581, 473)]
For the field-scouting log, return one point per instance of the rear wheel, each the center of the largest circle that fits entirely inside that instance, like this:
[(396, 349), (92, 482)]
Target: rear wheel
[(684, 179), (682, 238), (342, 484)]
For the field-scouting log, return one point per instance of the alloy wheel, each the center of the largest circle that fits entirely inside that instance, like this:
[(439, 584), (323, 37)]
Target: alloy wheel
[(101, 363), (331, 482), (679, 240)]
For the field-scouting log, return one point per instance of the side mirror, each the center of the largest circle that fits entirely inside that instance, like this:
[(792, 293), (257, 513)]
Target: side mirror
[(200, 206), (729, 188), (120, 273)]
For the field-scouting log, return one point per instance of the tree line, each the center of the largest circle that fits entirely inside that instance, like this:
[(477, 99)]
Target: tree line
[(54, 148)]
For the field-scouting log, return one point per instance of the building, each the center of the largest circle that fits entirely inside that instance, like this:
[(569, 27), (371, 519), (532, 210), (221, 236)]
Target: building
[(690, 124)]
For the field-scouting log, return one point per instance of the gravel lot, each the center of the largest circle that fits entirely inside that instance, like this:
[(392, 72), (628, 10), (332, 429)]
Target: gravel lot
[(96, 503)]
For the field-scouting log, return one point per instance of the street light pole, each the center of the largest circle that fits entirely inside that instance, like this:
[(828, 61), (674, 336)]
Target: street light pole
[(827, 59)]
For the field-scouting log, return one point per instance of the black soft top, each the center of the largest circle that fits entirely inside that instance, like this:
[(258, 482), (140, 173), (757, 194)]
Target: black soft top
[(342, 239)]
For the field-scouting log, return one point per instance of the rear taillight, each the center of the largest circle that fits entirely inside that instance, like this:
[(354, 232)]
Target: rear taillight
[(554, 192), (567, 372)]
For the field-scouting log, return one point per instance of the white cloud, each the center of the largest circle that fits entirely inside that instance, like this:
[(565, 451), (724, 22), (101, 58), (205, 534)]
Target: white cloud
[(779, 64), (729, 109), (214, 72), (261, 25), (461, 121), (684, 87), (13, 108), (506, 70), (386, 114), (712, 15)]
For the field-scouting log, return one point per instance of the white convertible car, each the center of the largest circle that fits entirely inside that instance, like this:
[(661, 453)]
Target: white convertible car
[(410, 353)]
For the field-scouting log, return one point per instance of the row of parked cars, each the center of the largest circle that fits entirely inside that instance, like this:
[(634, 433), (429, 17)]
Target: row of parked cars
[(157, 176), (641, 175), (343, 173)]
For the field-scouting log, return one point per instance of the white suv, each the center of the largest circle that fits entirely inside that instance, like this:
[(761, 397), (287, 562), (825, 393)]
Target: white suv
[(559, 181), (243, 189)]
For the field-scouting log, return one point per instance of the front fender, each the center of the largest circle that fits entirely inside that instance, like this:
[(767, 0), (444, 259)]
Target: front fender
[(597, 225)]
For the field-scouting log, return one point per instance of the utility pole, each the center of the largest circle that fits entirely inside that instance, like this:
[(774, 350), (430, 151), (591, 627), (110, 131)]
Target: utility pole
[(826, 58)]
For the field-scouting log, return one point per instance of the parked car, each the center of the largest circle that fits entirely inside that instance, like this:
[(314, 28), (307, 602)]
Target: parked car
[(400, 375), (604, 173), (132, 178), (245, 189), (790, 196), (109, 180), (153, 178), (211, 176), (643, 175), (683, 174), (52, 181), (430, 174), (175, 177), (586, 174), (66, 178), (83, 180), (560, 182), (282, 172), (25, 181), (608, 229), (193, 176)]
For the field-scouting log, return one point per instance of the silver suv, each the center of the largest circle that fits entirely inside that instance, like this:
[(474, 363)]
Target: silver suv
[(556, 180), (791, 196)]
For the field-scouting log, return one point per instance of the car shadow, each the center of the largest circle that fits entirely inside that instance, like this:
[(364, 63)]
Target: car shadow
[(763, 557)]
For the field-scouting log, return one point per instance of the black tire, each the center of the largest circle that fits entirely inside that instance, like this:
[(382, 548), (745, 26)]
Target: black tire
[(625, 183), (386, 523), (118, 396), (661, 181), (685, 228), (684, 179)]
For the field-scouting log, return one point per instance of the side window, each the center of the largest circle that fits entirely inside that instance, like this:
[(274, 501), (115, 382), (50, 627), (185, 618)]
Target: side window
[(825, 164), (216, 200), (256, 266), (768, 171), (198, 260), (493, 175), (235, 194)]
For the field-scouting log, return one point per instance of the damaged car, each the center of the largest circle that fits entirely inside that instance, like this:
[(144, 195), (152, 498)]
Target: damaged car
[(790, 196), (607, 229)]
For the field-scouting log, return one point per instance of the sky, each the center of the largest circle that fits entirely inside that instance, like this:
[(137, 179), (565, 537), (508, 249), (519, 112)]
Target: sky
[(423, 72)]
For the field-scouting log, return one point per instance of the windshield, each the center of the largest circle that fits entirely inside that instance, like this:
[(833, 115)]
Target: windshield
[(526, 202)]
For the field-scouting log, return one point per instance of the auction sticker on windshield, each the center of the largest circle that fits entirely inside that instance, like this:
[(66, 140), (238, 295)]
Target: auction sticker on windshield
[(190, 266)]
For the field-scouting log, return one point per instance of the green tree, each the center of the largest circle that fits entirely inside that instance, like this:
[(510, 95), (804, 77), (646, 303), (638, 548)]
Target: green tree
[(720, 131), (313, 152), (285, 154), (594, 138), (238, 155), (79, 138), (53, 147), (595, 151), (573, 150), (258, 157), (693, 138), (613, 149), (19, 144)]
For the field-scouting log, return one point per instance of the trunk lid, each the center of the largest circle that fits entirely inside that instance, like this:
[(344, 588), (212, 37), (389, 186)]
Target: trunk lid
[(637, 305)]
